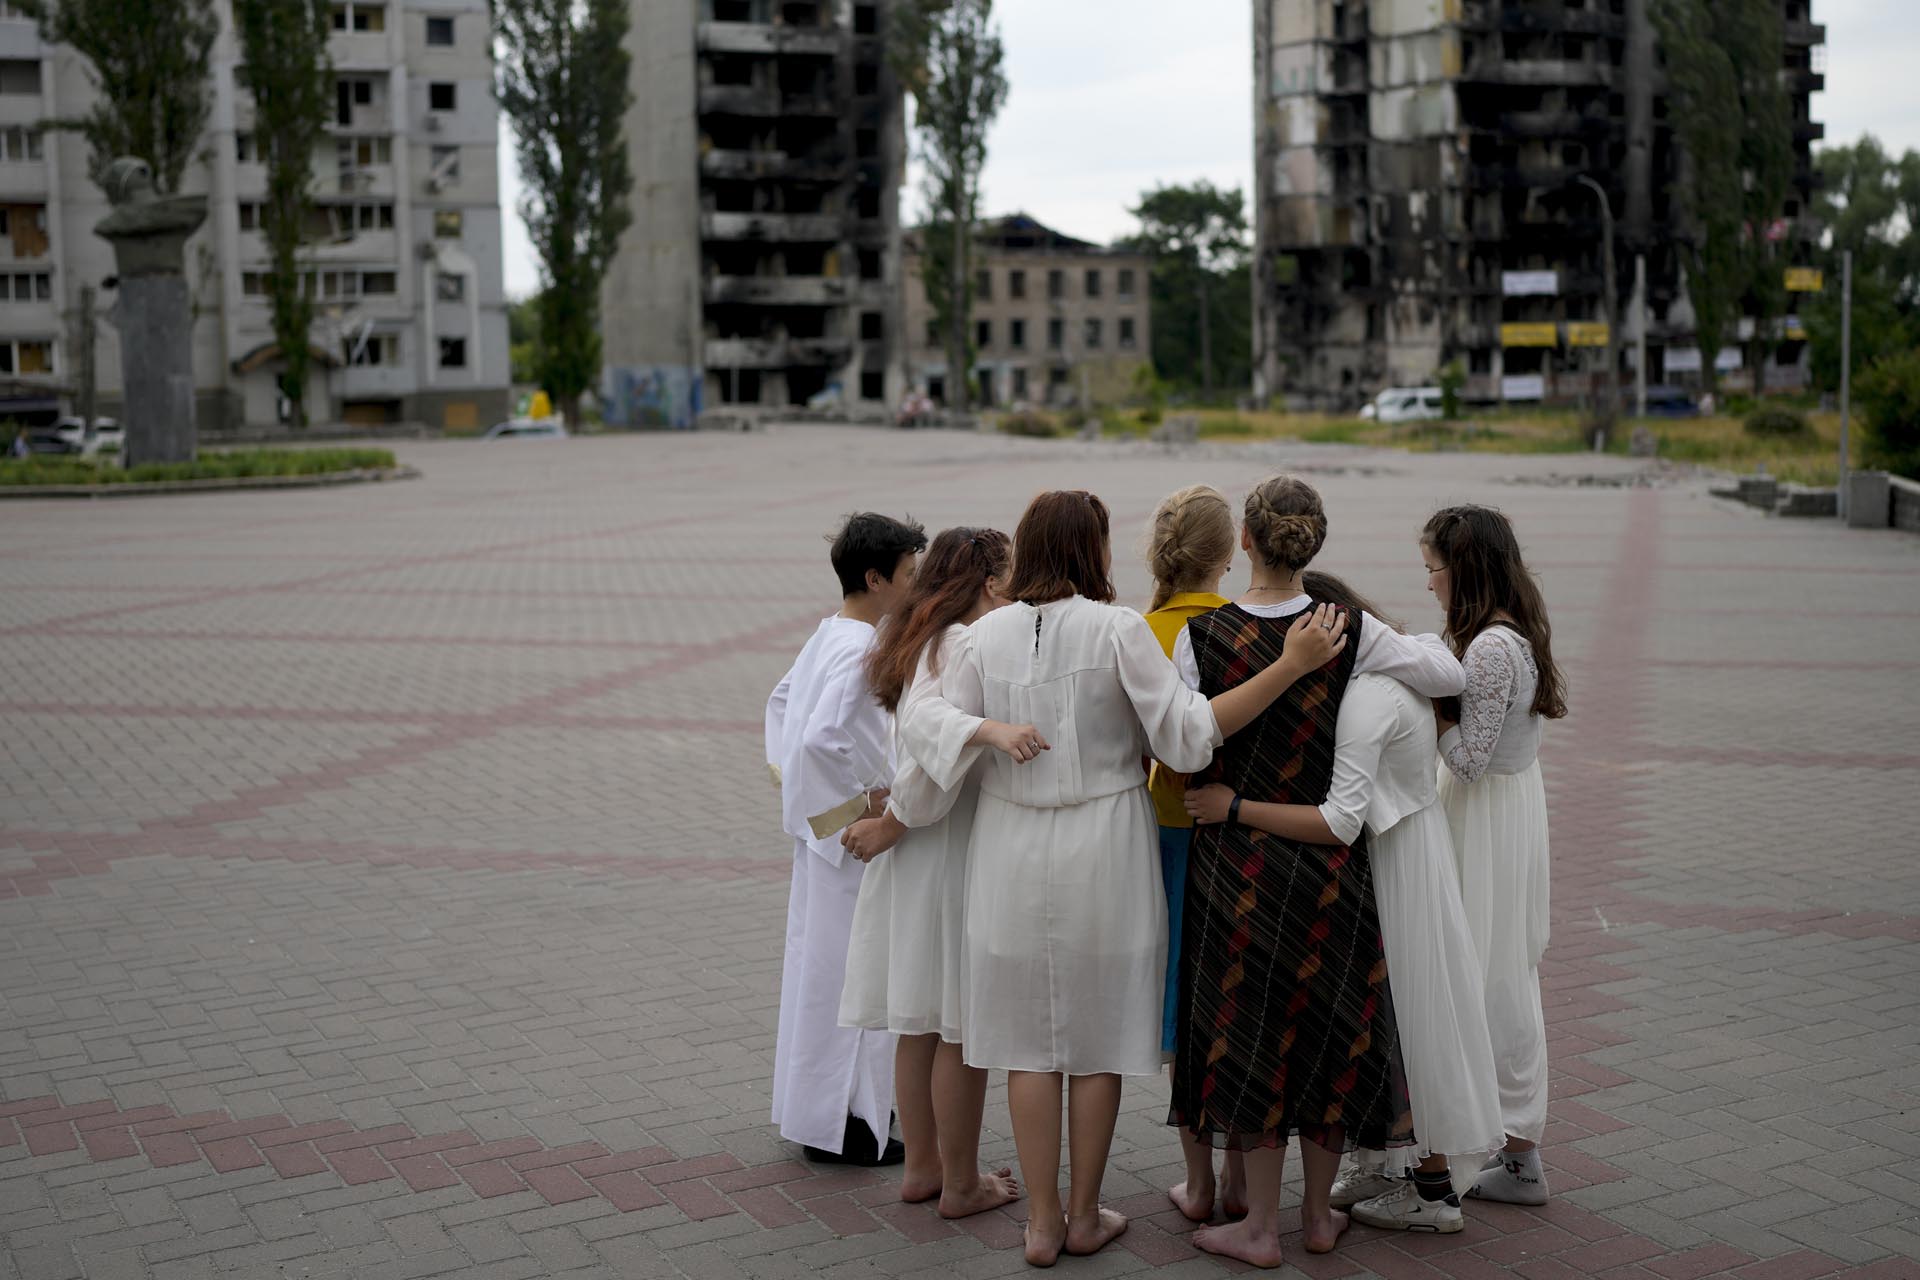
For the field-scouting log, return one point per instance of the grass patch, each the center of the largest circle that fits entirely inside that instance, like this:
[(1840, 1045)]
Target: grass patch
[(220, 465)]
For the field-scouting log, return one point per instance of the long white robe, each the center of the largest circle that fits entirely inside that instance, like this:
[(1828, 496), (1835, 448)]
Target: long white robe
[(828, 744)]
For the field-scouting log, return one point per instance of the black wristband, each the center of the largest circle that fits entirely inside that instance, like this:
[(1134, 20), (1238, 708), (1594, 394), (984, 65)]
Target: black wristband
[(1233, 810)]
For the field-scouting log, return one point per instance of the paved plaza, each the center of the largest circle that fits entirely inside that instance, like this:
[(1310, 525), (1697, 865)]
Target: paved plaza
[(390, 885)]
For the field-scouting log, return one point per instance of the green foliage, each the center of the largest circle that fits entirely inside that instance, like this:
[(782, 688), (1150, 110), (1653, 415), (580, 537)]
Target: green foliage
[(948, 55), (289, 75), (1890, 407), (1027, 422), (1451, 379), (236, 464), (149, 63), (1776, 421), (523, 338), (1202, 290), (562, 80), (1869, 201)]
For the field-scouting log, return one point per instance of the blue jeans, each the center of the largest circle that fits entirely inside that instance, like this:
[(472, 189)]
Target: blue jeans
[(1175, 842)]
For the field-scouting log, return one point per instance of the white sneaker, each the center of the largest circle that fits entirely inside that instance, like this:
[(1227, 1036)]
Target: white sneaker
[(1516, 1179), (1357, 1182), (1403, 1209)]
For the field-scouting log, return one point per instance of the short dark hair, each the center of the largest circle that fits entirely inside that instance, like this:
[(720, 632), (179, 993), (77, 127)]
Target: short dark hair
[(869, 540), (1059, 549)]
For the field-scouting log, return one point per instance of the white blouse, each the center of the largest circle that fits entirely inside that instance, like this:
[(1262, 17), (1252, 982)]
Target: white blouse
[(916, 799), (1383, 758), (1091, 678), (1498, 732), (1423, 663)]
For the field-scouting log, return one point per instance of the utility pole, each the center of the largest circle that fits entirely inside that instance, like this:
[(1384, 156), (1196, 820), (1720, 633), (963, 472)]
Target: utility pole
[(1611, 401), (1640, 334), (1846, 372), (86, 396)]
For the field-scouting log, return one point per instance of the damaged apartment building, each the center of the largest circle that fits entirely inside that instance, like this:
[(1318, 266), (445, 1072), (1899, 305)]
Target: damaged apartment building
[(763, 263), (1418, 168)]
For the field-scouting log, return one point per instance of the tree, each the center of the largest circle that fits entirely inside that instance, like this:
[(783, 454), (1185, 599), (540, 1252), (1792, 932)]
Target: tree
[(1868, 201), (1734, 126), (1197, 235), (947, 53), (149, 61), (563, 83), (523, 338), (283, 44)]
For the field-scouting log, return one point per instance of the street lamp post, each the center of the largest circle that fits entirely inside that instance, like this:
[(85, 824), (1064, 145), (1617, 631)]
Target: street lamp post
[(1612, 395)]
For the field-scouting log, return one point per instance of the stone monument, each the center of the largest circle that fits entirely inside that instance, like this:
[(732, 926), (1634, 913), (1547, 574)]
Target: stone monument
[(154, 315)]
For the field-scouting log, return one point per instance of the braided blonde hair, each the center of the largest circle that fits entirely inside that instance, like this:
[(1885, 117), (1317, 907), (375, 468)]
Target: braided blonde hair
[(1190, 541), (1285, 522)]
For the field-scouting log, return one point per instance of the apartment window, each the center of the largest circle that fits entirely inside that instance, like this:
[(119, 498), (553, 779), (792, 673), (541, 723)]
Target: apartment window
[(871, 266), (440, 95), (1126, 282), (1016, 284), (376, 349), (873, 384), (440, 31), (1019, 384), (378, 282), (866, 19), (446, 164), (873, 326), (253, 284), (983, 285), (1129, 339), (447, 224), (243, 148), (1093, 333), (20, 144), (1017, 334), (867, 202), (1056, 335), (866, 143), (20, 76), (26, 287), (933, 333), (983, 334), (453, 353), (249, 215), (359, 17), (866, 80), (26, 355), (1056, 285), (450, 288), (1093, 282)]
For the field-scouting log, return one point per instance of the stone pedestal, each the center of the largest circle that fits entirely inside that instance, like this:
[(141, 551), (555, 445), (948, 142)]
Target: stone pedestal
[(1869, 500)]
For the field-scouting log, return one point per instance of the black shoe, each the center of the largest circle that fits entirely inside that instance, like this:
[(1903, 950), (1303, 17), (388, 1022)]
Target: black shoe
[(859, 1148)]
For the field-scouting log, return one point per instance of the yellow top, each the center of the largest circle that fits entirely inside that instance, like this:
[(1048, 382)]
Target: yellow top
[(1166, 786)]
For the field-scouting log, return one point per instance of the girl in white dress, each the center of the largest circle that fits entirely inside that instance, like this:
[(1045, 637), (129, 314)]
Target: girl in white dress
[(1496, 804), (903, 962), (1066, 915), (1383, 782)]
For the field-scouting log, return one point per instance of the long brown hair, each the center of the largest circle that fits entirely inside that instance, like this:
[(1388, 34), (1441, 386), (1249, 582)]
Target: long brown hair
[(1062, 549), (1482, 558), (945, 590), (1190, 542), (1326, 587)]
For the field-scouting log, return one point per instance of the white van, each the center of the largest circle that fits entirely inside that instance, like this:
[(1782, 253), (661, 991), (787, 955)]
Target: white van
[(1405, 404)]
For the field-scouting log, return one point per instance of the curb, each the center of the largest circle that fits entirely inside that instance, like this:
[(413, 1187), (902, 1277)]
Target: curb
[(218, 484)]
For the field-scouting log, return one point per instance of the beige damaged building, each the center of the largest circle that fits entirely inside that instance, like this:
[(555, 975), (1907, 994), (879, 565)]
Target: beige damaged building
[(1417, 199), (1055, 320)]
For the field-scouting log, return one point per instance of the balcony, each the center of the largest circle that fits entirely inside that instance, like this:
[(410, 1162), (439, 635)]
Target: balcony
[(1803, 80), (768, 38), (1808, 131), (1803, 35), (1495, 68), (764, 102), (773, 164), (778, 291), (1551, 124), (782, 228), (1538, 174), (776, 353)]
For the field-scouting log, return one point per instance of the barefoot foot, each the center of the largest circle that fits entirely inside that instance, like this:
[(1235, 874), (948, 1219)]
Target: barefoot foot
[(1322, 1233), (1044, 1244), (1240, 1240), (1093, 1232), (1193, 1200), (917, 1188), (1233, 1197), (989, 1191)]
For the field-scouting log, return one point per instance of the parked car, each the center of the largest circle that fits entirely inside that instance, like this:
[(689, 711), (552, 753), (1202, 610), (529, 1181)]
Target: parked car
[(107, 436), (1670, 402), (1404, 404), (529, 429)]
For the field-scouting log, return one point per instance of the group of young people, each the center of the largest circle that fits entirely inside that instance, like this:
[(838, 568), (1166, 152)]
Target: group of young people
[(1275, 844)]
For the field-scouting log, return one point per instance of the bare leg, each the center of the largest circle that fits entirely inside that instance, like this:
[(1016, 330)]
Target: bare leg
[(1519, 1146), (1256, 1237), (1093, 1106), (1319, 1222), (959, 1096), (913, 1100), (1034, 1099), (1194, 1197), (1433, 1164), (1233, 1188)]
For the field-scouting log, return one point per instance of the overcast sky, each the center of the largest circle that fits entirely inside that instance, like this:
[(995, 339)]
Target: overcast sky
[(1101, 110)]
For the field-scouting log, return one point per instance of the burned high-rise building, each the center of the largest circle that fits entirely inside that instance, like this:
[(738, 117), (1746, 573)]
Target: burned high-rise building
[(762, 267), (1420, 199)]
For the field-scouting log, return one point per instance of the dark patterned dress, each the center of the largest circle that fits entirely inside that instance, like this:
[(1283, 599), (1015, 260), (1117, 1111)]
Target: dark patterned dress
[(1285, 1020)]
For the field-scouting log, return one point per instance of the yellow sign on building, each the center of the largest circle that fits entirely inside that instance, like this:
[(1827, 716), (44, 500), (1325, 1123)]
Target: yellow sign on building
[(1587, 333), (1530, 335), (1805, 280)]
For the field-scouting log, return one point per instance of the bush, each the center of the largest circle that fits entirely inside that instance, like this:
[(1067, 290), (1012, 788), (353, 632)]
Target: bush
[(234, 464), (1451, 379), (1889, 393), (1777, 423), (1027, 422)]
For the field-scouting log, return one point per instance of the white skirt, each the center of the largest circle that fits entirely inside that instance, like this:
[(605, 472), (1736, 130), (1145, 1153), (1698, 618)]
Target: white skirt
[(1439, 999), (1066, 937), (909, 931), (1499, 827)]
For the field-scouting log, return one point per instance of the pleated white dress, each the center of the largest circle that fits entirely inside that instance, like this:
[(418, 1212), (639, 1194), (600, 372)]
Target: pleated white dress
[(909, 926), (1496, 805), (1383, 781), (1066, 916)]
